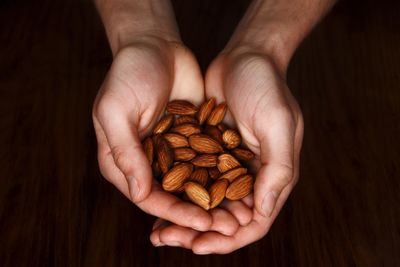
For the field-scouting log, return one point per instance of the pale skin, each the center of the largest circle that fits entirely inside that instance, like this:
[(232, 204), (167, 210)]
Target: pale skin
[(151, 66)]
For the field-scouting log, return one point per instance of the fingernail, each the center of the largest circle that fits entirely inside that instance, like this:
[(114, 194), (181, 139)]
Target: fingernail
[(159, 245), (174, 244), (268, 203), (134, 188), (204, 252)]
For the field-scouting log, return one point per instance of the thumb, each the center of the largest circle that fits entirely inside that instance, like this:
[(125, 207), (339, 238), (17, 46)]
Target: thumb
[(277, 159), (127, 152)]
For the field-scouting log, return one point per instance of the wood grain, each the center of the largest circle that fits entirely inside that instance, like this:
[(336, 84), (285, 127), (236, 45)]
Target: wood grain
[(57, 210)]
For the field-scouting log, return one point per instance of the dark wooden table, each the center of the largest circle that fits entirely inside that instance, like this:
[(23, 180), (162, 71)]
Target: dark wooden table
[(56, 210)]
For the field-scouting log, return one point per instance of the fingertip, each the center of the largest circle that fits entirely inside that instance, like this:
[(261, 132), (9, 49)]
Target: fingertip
[(139, 190)]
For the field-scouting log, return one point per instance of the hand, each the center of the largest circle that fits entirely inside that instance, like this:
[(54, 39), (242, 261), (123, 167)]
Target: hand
[(143, 77), (271, 125)]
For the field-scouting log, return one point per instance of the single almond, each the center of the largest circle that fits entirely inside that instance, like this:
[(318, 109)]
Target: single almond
[(234, 173), (164, 124), (148, 148), (205, 110), (217, 192), (217, 115), (227, 162), (214, 172), (197, 194), (204, 144), (186, 129), (175, 178), (184, 154), (185, 119), (214, 133), (165, 156), (243, 154), (240, 187), (200, 176), (231, 138), (176, 140), (181, 107), (205, 160)]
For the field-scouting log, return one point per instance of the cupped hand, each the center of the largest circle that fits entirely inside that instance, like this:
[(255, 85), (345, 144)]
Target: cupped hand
[(143, 77), (271, 124)]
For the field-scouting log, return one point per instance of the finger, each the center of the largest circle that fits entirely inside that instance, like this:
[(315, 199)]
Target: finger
[(223, 222), (126, 148), (169, 207), (178, 236), (239, 210), (106, 162), (277, 158), (213, 242), (158, 225)]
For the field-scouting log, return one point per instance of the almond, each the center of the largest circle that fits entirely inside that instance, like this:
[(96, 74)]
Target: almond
[(186, 119), (176, 140), (217, 114), (186, 129), (214, 133), (240, 187), (217, 192), (234, 173), (214, 172), (243, 154), (181, 107), (227, 162), (175, 178), (231, 138), (184, 154), (200, 176), (205, 160), (148, 149), (165, 156), (204, 144), (164, 124), (197, 194), (205, 110)]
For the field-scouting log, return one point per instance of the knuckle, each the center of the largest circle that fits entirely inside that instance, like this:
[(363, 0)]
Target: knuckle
[(121, 159), (285, 174)]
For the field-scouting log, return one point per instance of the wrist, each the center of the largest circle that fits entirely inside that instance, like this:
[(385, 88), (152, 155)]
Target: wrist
[(127, 22), (276, 27)]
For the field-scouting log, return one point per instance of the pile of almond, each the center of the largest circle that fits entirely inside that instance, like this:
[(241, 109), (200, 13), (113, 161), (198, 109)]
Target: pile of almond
[(192, 152)]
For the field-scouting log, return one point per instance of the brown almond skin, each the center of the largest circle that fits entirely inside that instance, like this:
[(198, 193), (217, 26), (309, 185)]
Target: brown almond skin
[(205, 110), (217, 115), (165, 156), (176, 140), (227, 162), (198, 195), (205, 160), (214, 133), (175, 178), (231, 138), (222, 127), (217, 192), (181, 107), (148, 148), (233, 174), (200, 176), (186, 119), (240, 187), (204, 144), (214, 173), (242, 154), (156, 169), (186, 129), (184, 154), (164, 124)]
